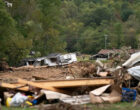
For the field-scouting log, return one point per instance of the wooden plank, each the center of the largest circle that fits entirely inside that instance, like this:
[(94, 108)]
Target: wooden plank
[(58, 85), (76, 82), (69, 83), (13, 86), (22, 81)]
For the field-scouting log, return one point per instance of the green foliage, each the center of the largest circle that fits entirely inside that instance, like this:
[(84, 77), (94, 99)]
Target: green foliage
[(12, 45), (19, 48), (98, 15), (49, 40), (126, 11), (47, 26), (102, 20)]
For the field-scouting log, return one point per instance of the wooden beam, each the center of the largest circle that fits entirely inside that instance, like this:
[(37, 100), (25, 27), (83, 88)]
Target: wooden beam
[(76, 82), (13, 86), (58, 85), (68, 83), (22, 81)]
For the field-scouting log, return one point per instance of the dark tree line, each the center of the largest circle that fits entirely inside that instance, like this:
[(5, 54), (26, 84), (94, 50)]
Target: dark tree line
[(47, 26)]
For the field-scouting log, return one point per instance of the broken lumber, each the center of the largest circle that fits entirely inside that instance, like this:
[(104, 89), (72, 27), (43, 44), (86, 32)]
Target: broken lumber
[(100, 96), (41, 86), (76, 82), (13, 86), (58, 85)]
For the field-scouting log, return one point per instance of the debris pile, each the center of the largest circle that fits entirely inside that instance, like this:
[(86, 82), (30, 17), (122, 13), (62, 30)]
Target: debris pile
[(71, 85)]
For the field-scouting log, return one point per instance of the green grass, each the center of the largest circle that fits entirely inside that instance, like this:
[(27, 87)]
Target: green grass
[(16, 108), (117, 106), (79, 58)]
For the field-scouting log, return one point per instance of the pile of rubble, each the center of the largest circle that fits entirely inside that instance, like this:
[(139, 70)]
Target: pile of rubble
[(71, 85)]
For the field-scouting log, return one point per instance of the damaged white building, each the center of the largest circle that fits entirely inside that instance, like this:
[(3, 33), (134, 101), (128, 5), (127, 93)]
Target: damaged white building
[(53, 59), (60, 59)]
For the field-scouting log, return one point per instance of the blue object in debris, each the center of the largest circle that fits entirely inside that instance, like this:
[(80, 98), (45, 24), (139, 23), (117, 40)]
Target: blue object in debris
[(34, 102), (128, 95)]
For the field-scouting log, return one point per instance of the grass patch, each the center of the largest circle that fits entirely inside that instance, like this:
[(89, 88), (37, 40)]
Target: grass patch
[(80, 58), (117, 106), (16, 108)]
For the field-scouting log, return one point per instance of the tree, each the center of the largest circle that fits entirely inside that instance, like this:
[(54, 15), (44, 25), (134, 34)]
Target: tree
[(11, 42), (126, 11), (50, 41), (117, 36), (7, 29)]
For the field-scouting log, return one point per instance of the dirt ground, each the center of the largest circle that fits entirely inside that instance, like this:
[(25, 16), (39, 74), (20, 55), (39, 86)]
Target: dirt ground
[(75, 70)]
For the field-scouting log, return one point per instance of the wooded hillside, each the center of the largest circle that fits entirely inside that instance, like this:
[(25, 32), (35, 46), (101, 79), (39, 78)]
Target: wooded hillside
[(47, 26)]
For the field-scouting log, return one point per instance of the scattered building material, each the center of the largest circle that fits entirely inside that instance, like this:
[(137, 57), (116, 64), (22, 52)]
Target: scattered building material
[(100, 90), (60, 85), (135, 58), (103, 74), (73, 100), (135, 72), (53, 95), (13, 86), (41, 86), (59, 82), (98, 81), (76, 100), (99, 63), (101, 97), (78, 70), (109, 53), (32, 61), (60, 59), (53, 59)]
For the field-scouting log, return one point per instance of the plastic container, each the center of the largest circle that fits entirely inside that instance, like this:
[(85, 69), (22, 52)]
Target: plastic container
[(128, 95)]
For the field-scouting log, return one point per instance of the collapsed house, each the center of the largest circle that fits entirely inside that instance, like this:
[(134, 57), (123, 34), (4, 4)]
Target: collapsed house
[(59, 59), (53, 59), (32, 61), (105, 54)]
